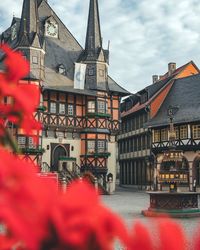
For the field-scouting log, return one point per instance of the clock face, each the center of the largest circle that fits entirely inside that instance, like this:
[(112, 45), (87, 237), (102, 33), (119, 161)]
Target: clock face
[(52, 29)]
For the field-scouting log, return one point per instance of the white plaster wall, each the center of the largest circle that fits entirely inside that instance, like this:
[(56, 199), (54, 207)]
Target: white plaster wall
[(112, 160), (76, 143)]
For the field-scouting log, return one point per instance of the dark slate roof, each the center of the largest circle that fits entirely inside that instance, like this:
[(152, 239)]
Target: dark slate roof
[(114, 87), (184, 94), (71, 90), (154, 88)]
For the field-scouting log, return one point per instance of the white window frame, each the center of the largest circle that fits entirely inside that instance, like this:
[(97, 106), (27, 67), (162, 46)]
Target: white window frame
[(156, 137), (31, 143), (101, 146), (183, 132), (91, 106), (196, 131), (91, 146), (61, 108), (101, 105), (164, 134), (21, 141), (70, 109), (53, 107)]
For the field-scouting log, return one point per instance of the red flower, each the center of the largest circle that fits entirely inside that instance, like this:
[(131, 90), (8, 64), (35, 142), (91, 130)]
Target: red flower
[(141, 238), (164, 234), (25, 200), (17, 67), (171, 235), (87, 224), (24, 97)]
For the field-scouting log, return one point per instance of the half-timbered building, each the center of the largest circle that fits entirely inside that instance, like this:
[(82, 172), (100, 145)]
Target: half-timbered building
[(182, 102), (79, 124), (135, 140)]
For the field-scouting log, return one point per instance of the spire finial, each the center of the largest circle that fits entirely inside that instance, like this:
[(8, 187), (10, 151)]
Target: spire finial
[(93, 37)]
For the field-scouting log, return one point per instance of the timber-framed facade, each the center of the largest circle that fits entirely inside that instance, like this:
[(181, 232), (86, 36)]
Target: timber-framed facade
[(139, 143), (79, 123)]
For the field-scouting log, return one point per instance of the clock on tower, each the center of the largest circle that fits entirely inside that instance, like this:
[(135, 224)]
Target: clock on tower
[(52, 29)]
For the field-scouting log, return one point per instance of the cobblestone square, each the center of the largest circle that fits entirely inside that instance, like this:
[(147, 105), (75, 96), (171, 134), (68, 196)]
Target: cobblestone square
[(128, 203)]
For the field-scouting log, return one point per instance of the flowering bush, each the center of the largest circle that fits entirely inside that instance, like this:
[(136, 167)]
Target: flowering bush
[(35, 216)]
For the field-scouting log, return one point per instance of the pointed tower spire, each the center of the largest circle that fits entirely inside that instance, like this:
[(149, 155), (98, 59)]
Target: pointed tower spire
[(93, 37), (29, 22), (94, 56)]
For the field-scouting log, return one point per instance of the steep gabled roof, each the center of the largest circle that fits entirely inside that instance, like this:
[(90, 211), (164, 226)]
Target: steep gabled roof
[(116, 88), (65, 50), (154, 89), (185, 95)]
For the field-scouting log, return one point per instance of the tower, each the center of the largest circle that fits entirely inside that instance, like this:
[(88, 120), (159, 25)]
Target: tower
[(30, 41), (94, 55)]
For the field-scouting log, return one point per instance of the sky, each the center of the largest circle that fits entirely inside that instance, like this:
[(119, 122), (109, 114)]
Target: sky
[(145, 35)]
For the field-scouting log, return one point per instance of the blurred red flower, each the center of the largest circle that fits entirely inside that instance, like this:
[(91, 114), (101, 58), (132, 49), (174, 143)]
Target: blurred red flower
[(24, 96)]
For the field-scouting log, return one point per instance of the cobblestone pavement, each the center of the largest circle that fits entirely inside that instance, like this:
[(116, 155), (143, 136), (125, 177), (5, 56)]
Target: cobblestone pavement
[(128, 203)]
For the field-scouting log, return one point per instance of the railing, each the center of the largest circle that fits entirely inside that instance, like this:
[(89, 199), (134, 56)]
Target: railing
[(79, 122)]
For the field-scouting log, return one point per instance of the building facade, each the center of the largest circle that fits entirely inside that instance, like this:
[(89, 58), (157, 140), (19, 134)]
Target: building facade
[(183, 104), (79, 123), (136, 157)]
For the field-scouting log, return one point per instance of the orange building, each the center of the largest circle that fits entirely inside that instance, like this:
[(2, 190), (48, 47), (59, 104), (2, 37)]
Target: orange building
[(135, 140), (80, 102)]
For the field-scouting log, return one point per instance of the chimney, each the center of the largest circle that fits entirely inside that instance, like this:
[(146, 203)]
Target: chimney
[(171, 68), (155, 78)]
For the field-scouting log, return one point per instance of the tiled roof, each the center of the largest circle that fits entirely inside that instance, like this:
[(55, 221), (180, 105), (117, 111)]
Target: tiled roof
[(153, 89), (185, 95)]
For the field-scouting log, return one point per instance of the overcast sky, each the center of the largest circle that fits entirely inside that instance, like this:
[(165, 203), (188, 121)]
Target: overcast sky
[(145, 35)]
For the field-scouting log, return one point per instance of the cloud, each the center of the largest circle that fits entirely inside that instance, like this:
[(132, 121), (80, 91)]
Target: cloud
[(145, 35)]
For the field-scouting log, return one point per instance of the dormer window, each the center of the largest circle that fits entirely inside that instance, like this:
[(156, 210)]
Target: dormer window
[(144, 98), (61, 69), (14, 32), (35, 60)]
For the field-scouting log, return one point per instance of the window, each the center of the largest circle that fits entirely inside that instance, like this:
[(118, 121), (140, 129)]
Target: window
[(196, 131), (53, 107), (164, 134), (31, 143), (70, 109), (183, 132), (62, 108), (91, 107), (101, 146), (91, 72), (101, 72), (91, 147), (156, 135), (61, 69), (144, 98), (35, 60), (101, 107), (176, 132), (21, 140)]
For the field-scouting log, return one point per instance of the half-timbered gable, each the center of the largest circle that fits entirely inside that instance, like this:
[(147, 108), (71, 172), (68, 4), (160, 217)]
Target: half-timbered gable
[(184, 100)]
